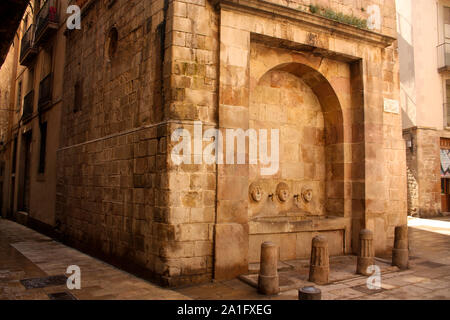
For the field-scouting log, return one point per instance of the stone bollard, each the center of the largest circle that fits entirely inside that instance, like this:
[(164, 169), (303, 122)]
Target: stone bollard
[(268, 282), (309, 293), (319, 267), (366, 252), (400, 251)]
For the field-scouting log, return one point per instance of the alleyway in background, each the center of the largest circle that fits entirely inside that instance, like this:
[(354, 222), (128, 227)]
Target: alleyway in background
[(26, 254)]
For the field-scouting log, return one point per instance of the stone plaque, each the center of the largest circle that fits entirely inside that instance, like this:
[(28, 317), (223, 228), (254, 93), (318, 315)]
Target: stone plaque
[(391, 106)]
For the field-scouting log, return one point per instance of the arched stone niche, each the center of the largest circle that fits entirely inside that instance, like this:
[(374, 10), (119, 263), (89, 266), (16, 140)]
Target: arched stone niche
[(298, 100), (297, 93)]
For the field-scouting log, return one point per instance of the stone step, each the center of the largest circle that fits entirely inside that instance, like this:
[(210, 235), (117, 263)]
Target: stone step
[(253, 268)]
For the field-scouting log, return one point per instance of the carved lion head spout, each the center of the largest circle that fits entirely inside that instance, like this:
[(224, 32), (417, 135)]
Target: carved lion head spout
[(307, 194), (256, 192), (283, 191)]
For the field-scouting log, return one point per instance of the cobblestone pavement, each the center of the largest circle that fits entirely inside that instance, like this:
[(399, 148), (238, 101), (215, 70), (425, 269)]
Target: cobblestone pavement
[(428, 277), (26, 254)]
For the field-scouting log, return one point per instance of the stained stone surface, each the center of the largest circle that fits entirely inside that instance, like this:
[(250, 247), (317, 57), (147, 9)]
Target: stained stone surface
[(363, 288), (431, 264)]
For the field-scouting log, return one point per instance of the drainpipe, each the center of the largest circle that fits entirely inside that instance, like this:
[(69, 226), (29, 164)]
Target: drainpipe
[(161, 29), (217, 11)]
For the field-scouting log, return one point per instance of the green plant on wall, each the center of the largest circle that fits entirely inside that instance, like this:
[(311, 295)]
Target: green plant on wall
[(338, 16), (313, 8)]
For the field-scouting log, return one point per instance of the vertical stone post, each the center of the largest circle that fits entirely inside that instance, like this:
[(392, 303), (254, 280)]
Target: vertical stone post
[(309, 293), (366, 252), (268, 281), (319, 268), (400, 251)]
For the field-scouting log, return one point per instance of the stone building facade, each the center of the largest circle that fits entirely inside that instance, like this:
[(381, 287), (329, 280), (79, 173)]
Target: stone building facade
[(6, 111), (423, 37), (6, 101), (139, 70), (32, 133)]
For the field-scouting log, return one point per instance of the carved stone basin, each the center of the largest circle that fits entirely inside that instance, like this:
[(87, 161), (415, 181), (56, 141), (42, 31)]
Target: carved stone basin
[(290, 218), (295, 223), (276, 219)]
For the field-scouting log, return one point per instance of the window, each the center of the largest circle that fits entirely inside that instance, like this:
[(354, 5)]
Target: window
[(25, 24), (48, 63), (45, 85), (111, 43), (444, 39), (109, 3), (447, 103), (31, 79), (43, 147), (447, 22), (37, 5), (14, 159), (78, 98), (447, 29), (19, 96), (2, 168)]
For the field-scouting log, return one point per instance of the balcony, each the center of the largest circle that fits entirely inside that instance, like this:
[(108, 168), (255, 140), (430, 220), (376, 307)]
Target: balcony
[(444, 57), (27, 48), (46, 21), (28, 106), (45, 93)]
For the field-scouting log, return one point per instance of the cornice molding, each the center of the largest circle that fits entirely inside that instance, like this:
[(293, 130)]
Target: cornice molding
[(320, 23)]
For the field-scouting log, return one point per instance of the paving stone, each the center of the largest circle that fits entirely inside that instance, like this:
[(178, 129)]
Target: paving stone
[(366, 290), (25, 254)]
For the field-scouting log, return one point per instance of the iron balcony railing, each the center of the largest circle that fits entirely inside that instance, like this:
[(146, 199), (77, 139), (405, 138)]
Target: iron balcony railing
[(47, 14), (27, 42), (45, 91), (28, 105), (444, 56)]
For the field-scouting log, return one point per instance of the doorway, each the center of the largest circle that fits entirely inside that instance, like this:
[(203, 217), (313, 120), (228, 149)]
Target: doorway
[(13, 178), (24, 195), (445, 194), (445, 174)]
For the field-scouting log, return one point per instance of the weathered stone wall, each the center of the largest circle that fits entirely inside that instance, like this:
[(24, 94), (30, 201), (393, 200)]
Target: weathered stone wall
[(428, 167), (393, 175), (424, 180), (112, 155), (6, 103), (411, 173), (118, 191), (6, 73), (357, 8), (194, 44), (121, 193)]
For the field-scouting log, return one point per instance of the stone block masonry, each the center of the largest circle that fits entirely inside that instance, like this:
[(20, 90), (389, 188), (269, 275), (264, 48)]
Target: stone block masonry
[(423, 171), (117, 194), (227, 64)]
